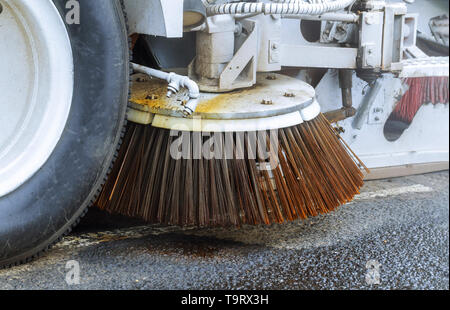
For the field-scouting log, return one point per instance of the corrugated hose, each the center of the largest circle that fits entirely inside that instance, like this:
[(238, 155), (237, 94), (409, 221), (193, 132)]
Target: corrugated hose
[(316, 7)]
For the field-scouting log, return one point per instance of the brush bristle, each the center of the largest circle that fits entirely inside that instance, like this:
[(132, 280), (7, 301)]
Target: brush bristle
[(314, 173), (421, 90)]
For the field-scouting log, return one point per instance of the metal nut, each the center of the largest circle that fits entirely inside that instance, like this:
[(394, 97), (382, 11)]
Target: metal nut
[(152, 97), (289, 95), (267, 102)]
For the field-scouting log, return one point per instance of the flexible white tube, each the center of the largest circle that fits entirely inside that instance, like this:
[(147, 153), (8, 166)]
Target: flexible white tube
[(151, 72), (296, 7), (176, 82)]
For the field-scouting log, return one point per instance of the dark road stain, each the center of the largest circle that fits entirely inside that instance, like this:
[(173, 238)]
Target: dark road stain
[(190, 246)]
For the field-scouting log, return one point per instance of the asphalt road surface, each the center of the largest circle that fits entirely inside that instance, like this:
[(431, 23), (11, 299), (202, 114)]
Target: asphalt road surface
[(395, 235)]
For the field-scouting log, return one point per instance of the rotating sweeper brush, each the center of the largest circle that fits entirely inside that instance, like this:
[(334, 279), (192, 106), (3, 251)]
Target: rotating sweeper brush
[(231, 142), (254, 156)]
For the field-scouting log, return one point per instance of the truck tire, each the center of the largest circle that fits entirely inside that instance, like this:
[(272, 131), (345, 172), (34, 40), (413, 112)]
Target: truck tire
[(36, 211)]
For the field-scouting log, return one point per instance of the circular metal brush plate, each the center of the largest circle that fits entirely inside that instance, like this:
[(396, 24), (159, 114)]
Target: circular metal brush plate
[(272, 95)]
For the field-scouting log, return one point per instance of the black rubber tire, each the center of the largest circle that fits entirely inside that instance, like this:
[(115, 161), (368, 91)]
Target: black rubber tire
[(48, 205)]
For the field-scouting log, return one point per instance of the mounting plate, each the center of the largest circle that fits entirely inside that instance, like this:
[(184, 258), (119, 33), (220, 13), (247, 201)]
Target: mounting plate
[(272, 95)]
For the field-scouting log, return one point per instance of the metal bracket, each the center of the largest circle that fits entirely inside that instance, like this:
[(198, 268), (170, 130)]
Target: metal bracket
[(274, 51), (233, 76), (371, 38)]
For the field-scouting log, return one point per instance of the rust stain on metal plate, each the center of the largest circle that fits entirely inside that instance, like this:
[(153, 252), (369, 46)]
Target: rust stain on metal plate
[(151, 92)]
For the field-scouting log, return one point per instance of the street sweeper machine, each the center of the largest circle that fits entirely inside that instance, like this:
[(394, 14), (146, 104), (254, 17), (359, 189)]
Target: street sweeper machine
[(211, 113)]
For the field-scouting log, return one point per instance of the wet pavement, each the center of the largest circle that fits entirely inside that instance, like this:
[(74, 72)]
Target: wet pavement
[(395, 235)]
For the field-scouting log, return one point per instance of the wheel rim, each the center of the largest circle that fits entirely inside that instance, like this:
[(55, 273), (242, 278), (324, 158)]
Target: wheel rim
[(36, 86)]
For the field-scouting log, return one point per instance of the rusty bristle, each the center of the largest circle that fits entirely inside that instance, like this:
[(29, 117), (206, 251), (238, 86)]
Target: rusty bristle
[(420, 91), (316, 173)]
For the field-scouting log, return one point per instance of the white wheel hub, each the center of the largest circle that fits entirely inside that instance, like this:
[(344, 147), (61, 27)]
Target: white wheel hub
[(36, 86)]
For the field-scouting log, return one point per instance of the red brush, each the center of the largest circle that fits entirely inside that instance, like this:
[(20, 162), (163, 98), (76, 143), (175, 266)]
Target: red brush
[(421, 90)]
